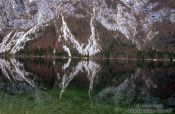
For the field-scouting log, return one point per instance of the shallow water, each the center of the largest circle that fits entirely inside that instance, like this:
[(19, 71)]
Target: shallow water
[(75, 86)]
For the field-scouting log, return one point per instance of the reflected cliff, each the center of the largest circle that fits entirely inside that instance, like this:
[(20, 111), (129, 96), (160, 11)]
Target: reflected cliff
[(119, 83), (31, 73)]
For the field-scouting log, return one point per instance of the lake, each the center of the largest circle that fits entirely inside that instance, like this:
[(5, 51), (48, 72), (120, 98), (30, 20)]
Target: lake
[(78, 86)]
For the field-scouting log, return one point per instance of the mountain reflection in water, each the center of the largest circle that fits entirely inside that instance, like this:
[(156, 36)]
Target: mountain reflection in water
[(119, 83)]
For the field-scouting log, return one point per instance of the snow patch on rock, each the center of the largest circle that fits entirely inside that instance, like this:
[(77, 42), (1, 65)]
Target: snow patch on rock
[(66, 49), (117, 20), (91, 48), (15, 41)]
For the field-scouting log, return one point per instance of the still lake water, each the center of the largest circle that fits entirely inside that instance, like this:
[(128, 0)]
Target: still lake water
[(75, 86)]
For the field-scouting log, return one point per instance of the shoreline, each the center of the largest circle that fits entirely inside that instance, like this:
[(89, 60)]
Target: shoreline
[(89, 58)]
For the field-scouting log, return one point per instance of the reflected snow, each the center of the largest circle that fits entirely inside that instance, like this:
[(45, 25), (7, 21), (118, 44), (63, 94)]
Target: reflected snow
[(121, 83)]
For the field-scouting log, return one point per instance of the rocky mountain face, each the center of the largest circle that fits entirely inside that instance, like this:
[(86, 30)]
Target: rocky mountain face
[(111, 28)]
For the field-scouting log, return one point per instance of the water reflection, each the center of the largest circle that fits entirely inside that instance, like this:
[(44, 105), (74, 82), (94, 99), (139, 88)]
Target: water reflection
[(16, 77), (14, 71), (148, 86), (120, 83), (89, 67)]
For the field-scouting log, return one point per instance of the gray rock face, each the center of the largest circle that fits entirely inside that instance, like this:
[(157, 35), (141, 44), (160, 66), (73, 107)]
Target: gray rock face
[(138, 21)]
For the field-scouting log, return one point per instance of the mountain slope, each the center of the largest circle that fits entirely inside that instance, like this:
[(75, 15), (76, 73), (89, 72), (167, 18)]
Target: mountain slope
[(86, 27)]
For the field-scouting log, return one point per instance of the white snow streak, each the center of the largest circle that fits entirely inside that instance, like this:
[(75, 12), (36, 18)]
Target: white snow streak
[(16, 42), (20, 42), (67, 50), (91, 48)]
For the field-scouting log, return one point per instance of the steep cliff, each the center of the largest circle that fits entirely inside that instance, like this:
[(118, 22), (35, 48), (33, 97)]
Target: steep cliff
[(87, 27)]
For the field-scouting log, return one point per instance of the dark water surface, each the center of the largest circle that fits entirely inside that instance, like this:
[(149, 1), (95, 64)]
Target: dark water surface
[(75, 86)]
